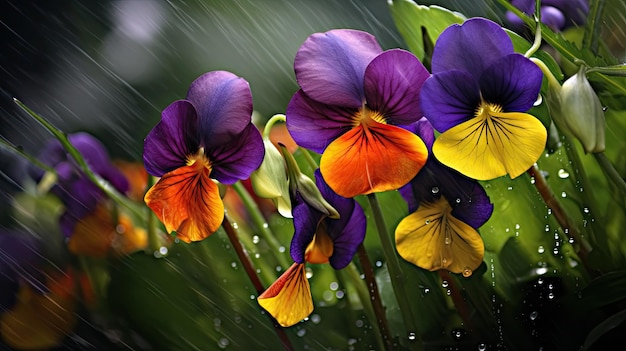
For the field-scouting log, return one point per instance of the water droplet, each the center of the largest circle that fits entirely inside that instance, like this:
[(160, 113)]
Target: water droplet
[(256, 239), (482, 347), (316, 318), (458, 200), (301, 332), (541, 249), (223, 343), (563, 174), (444, 260), (444, 283), (378, 264), (586, 209), (281, 249), (412, 336), (435, 190), (534, 315), (252, 297), (340, 294), (509, 188), (538, 101), (279, 268), (233, 264), (334, 286), (265, 225), (359, 323), (309, 272), (467, 272), (563, 194), (427, 221), (447, 240)]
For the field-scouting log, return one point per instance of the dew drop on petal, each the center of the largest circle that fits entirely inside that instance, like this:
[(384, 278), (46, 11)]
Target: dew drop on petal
[(435, 190), (467, 272)]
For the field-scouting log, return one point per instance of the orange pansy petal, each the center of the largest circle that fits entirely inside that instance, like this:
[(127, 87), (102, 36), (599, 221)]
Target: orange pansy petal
[(38, 321), (321, 248), (187, 201), (433, 239), (93, 234), (373, 158), (288, 299)]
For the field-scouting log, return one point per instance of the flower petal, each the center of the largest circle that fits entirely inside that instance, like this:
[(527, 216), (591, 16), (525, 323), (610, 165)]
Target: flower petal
[(238, 157), (305, 222), (471, 46), (433, 239), (373, 158), (449, 98), (348, 231), (484, 149), (512, 82), (393, 81), (314, 125), (187, 201), (172, 140), (224, 104), (330, 66), (288, 299)]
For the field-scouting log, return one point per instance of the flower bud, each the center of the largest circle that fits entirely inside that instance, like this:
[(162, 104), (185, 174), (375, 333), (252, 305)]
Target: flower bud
[(581, 112), (270, 179), (300, 183)]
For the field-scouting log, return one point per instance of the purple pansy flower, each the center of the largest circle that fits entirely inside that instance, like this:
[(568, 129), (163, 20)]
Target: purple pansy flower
[(209, 135), (317, 239), (353, 102), (445, 210), (79, 195), (476, 98)]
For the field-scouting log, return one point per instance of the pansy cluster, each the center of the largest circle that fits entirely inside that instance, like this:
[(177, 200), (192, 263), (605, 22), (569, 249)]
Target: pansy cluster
[(366, 122)]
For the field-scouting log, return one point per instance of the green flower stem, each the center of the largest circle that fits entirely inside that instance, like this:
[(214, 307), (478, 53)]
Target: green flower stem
[(610, 172), (254, 278), (583, 248), (30, 158), (97, 180), (154, 241), (393, 265), (270, 123), (537, 43), (371, 294), (260, 222)]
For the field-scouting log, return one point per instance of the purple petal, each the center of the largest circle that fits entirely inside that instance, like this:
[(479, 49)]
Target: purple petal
[(330, 66), (393, 81), (172, 140), (575, 11), (471, 46), (552, 17), (92, 150), (314, 125), (224, 105), (449, 98), (305, 221), (512, 82), (347, 232), (237, 159), (474, 207)]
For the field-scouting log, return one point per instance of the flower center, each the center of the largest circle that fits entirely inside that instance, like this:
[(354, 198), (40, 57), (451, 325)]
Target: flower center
[(366, 116), (199, 156), (486, 109)]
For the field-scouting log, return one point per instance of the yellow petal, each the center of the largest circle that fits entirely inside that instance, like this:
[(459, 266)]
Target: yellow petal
[(187, 201), (431, 238), (321, 248), (288, 299), (487, 148), (371, 158)]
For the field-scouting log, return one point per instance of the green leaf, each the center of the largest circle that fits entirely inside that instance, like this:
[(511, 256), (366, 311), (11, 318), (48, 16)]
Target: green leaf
[(609, 324), (421, 25)]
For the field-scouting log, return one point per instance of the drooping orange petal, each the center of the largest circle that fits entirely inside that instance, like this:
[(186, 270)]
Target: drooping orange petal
[(321, 248), (93, 234), (128, 238), (187, 201), (431, 238), (288, 299), (372, 158), (485, 148), (38, 321)]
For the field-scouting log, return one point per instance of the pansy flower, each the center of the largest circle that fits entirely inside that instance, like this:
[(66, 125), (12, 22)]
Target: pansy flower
[(353, 101), (556, 14), (79, 194), (317, 239), (476, 98), (445, 209), (207, 136)]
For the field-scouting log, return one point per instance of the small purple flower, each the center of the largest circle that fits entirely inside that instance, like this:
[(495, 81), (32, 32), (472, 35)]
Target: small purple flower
[(556, 14), (313, 229), (78, 194), (209, 135), (445, 209)]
